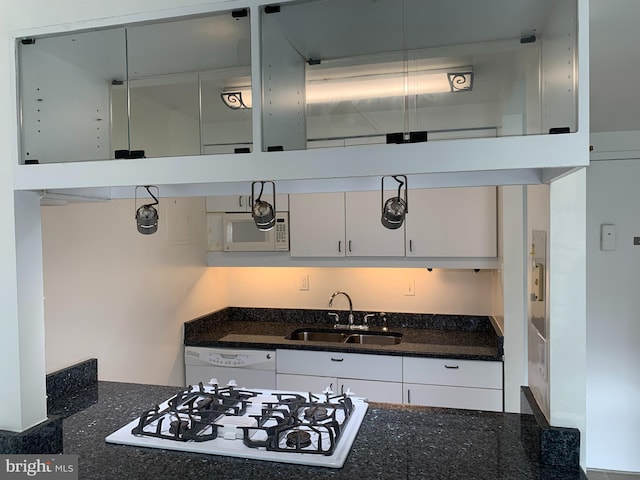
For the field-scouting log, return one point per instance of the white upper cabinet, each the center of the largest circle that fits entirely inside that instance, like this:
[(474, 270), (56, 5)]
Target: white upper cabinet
[(341, 224), (441, 222), (366, 237), (317, 225), (452, 222)]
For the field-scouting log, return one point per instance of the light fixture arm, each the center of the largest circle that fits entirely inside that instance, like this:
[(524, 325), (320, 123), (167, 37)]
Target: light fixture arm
[(262, 212), (394, 209), (147, 215), (262, 182), (402, 182), (148, 189)]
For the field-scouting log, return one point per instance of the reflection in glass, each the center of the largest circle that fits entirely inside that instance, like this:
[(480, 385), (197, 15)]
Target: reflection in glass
[(416, 70), (178, 71)]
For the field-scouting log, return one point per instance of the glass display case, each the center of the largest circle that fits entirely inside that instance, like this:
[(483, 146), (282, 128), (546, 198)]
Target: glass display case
[(149, 90), (360, 72), (334, 73)]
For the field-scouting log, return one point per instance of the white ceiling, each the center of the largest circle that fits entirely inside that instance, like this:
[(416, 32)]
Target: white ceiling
[(614, 65)]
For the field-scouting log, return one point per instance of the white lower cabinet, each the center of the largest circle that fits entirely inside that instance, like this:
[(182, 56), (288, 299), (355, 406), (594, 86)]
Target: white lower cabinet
[(468, 384), (375, 377), (435, 382)]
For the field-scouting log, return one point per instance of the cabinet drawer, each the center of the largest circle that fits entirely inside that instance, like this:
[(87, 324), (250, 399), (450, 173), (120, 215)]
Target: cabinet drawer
[(453, 397), (462, 373), (336, 364)]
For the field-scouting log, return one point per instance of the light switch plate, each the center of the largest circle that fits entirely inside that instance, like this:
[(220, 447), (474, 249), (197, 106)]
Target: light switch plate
[(607, 237)]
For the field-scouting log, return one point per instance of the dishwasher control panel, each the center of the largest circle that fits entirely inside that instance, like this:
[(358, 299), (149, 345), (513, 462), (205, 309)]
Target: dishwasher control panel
[(254, 359)]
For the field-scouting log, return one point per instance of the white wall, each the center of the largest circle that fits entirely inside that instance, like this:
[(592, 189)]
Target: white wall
[(373, 289), (613, 329), (122, 297)]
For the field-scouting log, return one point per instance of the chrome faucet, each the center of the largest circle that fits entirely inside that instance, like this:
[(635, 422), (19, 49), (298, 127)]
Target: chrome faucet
[(335, 294)]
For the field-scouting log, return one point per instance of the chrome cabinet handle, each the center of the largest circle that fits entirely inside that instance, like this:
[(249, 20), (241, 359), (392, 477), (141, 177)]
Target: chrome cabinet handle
[(240, 200), (453, 367), (349, 245), (340, 246), (408, 395), (337, 359), (411, 245)]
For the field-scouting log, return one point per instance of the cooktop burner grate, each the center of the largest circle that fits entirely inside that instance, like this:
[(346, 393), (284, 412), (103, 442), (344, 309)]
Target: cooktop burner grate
[(191, 414)]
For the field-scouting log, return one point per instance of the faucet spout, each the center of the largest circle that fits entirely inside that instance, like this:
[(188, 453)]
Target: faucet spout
[(335, 294)]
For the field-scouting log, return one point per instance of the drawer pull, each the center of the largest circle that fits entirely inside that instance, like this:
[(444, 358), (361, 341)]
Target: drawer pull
[(453, 367), (337, 359)]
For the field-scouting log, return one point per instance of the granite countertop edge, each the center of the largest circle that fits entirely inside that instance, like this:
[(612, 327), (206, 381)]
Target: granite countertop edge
[(402, 349), (253, 328)]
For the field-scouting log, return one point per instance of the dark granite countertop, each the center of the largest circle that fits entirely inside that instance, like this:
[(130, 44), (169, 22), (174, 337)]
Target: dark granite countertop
[(394, 442), (444, 336)]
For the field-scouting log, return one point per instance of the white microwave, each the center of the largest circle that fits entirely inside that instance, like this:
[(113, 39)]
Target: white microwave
[(240, 234)]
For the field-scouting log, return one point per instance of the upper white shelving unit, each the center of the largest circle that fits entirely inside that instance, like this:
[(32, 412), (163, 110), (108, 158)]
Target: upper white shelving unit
[(340, 92)]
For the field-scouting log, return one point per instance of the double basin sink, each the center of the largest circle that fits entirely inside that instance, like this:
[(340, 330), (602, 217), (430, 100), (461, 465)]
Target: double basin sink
[(345, 336)]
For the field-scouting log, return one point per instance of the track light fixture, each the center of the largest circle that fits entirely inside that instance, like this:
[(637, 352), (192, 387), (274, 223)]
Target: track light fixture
[(147, 215), (395, 208), (264, 215)]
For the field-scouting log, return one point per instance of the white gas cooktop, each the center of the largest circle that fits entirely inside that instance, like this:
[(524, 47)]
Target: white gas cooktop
[(277, 426)]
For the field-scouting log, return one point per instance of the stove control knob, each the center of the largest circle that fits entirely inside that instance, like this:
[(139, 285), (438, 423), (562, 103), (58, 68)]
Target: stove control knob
[(213, 381), (349, 393), (232, 383)]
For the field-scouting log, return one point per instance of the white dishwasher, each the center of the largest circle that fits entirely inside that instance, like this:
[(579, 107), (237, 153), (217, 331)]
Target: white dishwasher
[(249, 368)]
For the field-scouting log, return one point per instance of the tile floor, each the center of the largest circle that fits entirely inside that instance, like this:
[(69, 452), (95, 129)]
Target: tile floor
[(608, 475)]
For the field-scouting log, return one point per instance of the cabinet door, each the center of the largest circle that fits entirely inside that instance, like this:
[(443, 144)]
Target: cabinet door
[(316, 225), (366, 237), (452, 222), (374, 391), (306, 383), (453, 397), (438, 382)]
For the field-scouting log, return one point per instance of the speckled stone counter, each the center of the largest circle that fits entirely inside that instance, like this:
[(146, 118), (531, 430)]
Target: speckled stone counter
[(394, 442), (450, 336)]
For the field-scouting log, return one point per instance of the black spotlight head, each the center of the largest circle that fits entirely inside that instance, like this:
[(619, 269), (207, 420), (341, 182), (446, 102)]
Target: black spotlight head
[(263, 215), (147, 220), (393, 213)]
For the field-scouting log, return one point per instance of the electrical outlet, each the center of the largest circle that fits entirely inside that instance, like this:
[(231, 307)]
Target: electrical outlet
[(410, 288), (304, 282)]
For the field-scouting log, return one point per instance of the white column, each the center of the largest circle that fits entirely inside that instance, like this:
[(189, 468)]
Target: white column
[(513, 245), (567, 309), (22, 362)]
